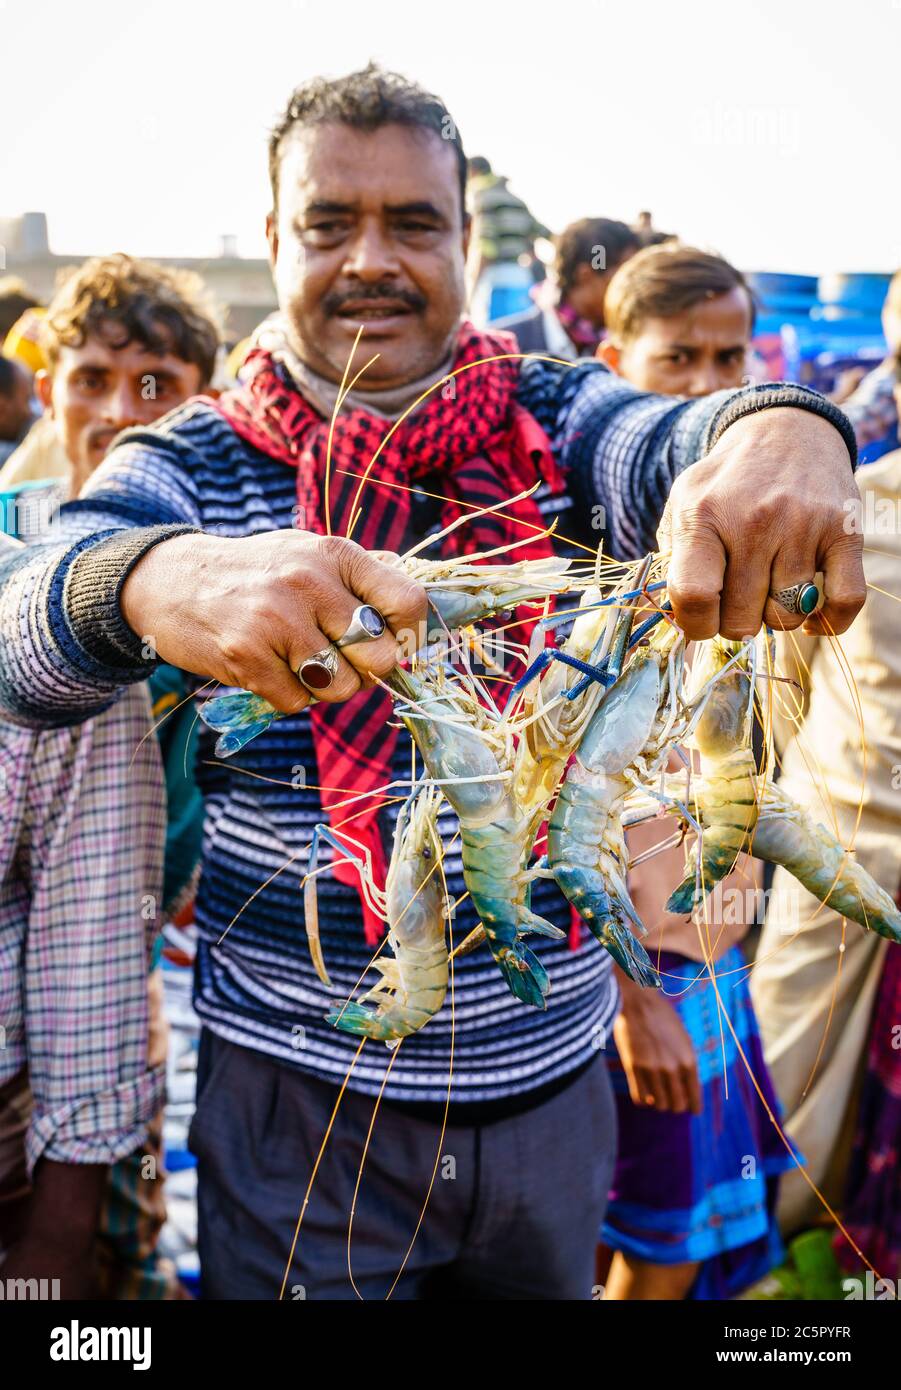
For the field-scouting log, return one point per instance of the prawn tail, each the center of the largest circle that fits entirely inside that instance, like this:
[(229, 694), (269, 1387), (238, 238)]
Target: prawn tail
[(606, 915), (526, 977), (356, 1018), (238, 718), (683, 898), (887, 925), (788, 835), (627, 951), (718, 859)]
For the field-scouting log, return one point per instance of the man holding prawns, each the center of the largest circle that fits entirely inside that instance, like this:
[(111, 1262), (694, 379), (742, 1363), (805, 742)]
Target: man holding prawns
[(203, 540)]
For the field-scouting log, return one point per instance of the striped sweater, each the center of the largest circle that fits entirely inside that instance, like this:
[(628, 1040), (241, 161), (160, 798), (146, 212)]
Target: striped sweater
[(65, 654)]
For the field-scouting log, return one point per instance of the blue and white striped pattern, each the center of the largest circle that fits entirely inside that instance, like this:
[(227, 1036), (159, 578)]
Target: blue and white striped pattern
[(257, 987)]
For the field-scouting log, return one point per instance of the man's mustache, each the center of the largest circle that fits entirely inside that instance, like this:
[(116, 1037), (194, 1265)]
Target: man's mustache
[(374, 295)]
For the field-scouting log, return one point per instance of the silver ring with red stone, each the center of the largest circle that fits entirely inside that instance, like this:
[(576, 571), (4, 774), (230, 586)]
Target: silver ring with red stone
[(366, 625), (320, 669)]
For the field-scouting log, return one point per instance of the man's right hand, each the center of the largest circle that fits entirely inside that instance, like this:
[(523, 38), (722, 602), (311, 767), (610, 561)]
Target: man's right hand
[(250, 612), (656, 1052)]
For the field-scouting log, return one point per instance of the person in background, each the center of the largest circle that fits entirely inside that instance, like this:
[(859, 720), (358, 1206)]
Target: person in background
[(124, 341), (873, 408), (23, 341), (567, 318), (82, 1072), (648, 234), (111, 386), (828, 995), (15, 299), (40, 457), (16, 416), (505, 234), (679, 321)]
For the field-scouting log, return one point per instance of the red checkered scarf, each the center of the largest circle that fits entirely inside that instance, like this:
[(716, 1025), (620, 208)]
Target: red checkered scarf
[(482, 447)]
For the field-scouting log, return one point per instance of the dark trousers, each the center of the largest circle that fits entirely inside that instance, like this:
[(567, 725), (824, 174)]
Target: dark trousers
[(514, 1211)]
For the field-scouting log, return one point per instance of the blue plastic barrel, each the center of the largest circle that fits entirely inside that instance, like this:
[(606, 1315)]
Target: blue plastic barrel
[(854, 293), (782, 296), (23, 507)]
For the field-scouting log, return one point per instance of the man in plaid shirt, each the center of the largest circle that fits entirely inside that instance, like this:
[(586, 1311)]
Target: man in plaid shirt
[(82, 844), (81, 852)]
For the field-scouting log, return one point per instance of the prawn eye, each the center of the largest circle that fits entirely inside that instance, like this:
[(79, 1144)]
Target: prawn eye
[(426, 853)]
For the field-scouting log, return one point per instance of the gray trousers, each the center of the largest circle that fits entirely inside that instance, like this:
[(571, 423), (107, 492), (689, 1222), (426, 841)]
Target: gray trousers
[(514, 1211)]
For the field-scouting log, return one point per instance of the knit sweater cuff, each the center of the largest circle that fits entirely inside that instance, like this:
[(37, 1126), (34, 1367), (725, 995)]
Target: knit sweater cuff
[(93, 587), (769, 394)]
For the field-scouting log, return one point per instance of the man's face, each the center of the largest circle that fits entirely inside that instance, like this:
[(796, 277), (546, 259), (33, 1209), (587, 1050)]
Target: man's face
[(589, 287), (369, 231), (96, 390), (693, 353)]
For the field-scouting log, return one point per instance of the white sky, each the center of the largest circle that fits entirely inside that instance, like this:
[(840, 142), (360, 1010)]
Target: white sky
[(768, 129)]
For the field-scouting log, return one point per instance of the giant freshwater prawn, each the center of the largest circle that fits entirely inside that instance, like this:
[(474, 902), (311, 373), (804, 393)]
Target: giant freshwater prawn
[(560, 755)]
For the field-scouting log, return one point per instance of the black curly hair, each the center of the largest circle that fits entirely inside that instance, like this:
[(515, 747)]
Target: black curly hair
[(365, 100), (126, 300)]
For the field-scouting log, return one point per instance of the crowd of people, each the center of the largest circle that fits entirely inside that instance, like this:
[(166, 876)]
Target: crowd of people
[(196, 542)]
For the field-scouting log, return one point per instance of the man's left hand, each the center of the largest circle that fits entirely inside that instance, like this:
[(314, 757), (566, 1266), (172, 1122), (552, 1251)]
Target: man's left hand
[(773, 504)]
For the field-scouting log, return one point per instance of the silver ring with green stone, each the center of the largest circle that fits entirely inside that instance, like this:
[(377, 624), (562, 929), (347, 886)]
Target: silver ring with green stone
[(800, 598)]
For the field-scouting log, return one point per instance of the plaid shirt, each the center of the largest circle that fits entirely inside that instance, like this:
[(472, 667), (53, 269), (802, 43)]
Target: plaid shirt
[(81, 847)]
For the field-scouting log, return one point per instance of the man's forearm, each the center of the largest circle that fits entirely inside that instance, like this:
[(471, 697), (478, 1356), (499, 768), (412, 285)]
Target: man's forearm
[(65, 650), (623, 449)]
